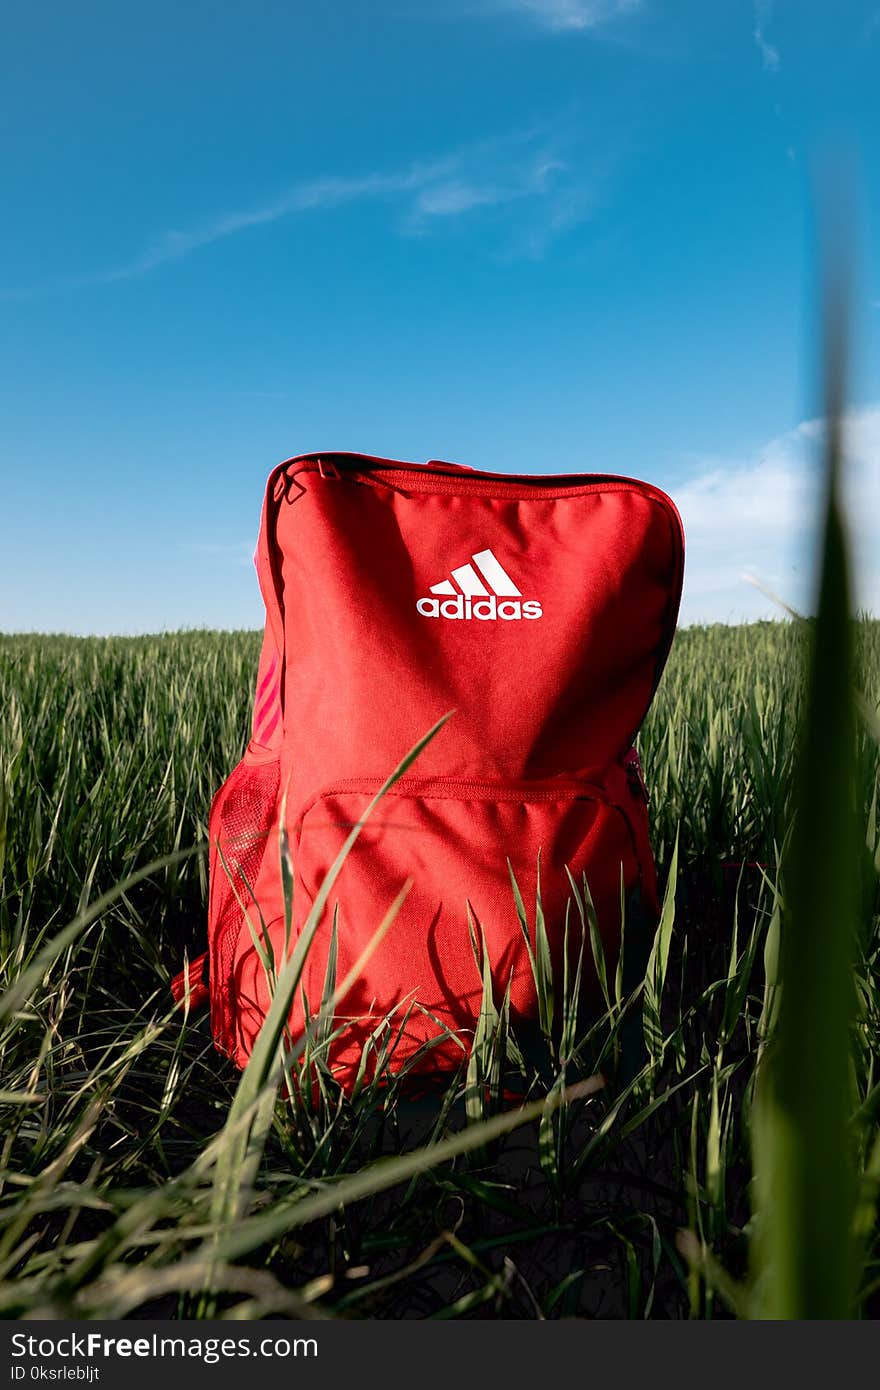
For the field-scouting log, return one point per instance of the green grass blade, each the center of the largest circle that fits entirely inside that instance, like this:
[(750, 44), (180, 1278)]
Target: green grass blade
[(804, 1166), (658, 964)]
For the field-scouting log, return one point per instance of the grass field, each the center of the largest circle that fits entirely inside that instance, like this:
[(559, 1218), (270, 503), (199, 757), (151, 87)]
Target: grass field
[(111, 1202)]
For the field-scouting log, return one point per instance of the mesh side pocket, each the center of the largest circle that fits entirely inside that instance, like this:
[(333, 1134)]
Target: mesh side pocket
[(240, 826)]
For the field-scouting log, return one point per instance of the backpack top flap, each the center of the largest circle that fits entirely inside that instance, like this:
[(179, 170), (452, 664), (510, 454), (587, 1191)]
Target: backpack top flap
[(541, 609)]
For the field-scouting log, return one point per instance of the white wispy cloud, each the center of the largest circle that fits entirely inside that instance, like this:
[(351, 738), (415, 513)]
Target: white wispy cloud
[(561, 15), (769, 53), (755, 519), (469, 186), (303, 197), (520, 167)]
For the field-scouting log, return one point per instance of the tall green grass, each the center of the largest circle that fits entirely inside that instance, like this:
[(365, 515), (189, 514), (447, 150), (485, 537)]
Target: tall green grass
[(139, 1174)]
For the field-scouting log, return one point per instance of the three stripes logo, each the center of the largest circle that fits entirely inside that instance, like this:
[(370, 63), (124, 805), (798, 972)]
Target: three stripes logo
[(267, 706), (483, 589)]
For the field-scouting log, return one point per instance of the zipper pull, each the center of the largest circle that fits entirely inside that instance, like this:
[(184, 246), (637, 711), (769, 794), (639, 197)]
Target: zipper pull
[(634, 773), (327, 470)]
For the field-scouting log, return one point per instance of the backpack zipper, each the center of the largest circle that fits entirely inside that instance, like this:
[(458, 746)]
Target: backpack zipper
[(476, 789), (429, 478)]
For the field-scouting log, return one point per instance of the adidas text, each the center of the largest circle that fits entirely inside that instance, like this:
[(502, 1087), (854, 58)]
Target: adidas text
[(464, 607)]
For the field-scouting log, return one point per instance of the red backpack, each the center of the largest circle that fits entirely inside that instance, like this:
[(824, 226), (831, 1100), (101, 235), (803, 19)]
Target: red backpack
[(538, 609)]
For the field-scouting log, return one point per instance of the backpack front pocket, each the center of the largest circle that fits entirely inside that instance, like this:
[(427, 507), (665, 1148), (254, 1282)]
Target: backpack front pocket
[(453, 840)]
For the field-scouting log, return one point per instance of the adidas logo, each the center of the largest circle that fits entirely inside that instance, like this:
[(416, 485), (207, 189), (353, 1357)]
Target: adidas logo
[(489, 594)]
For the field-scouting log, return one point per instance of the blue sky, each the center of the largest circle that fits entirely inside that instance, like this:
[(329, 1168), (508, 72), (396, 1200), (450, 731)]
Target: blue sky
[(530, 235)]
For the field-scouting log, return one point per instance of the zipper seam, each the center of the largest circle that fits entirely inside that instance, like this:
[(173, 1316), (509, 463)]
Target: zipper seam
[(515, 486), (450, 789), (367, 463), (503, 491)]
